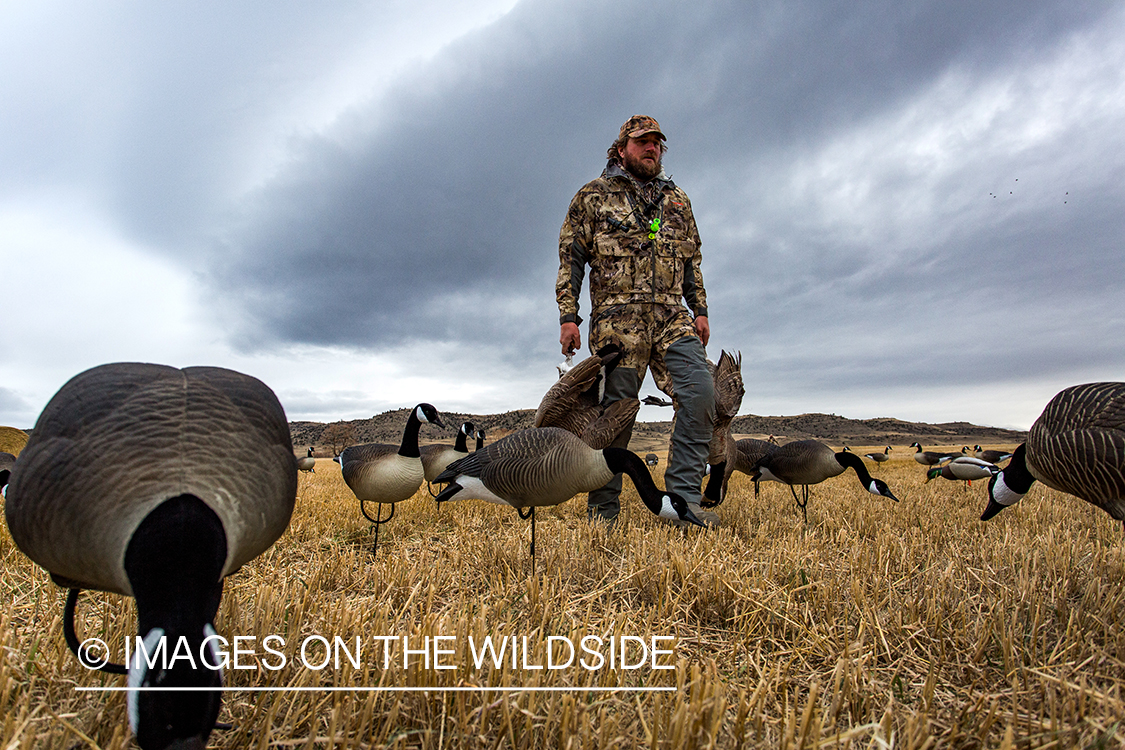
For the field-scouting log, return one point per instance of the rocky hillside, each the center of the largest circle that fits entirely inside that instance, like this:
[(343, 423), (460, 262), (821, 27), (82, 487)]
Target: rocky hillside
[(387, 428)]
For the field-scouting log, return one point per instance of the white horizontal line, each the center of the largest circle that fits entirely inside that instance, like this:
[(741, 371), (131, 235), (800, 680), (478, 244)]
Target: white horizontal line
[(116, 689)]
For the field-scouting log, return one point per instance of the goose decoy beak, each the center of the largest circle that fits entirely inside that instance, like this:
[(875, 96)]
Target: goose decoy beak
[(690, 518), (992, 509)]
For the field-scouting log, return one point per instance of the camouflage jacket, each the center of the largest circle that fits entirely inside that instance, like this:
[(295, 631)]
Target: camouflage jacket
[(611, 226)]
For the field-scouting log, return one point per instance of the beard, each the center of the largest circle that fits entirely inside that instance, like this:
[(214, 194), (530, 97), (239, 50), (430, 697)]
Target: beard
[(640, 168)]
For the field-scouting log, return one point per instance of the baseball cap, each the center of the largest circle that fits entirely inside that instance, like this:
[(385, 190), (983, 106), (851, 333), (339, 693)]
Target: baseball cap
[(639, 125)]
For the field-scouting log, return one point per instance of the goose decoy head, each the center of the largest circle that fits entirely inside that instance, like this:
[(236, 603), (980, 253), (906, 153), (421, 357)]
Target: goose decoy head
[(879, 487), (675, 508), (427, 413)]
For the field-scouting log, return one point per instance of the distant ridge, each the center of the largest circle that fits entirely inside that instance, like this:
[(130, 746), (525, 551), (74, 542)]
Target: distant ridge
[(830, 428)]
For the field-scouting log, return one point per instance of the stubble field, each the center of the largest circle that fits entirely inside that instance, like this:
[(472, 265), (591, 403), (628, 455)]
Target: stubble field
[(905, 625)]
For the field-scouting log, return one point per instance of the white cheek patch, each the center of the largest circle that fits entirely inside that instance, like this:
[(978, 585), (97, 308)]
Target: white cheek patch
[(420, 414), (666, 509), (874, 489), (211, 637), (1003, 494), (138, 672)]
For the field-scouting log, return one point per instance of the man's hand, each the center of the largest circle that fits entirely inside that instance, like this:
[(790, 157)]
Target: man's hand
[(571, 338), (703, 328)]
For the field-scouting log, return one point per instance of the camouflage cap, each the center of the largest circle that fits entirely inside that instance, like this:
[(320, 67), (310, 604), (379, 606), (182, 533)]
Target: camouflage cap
[(639, 125)]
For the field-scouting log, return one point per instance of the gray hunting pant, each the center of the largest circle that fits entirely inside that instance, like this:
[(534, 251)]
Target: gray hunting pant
[(694, 397)]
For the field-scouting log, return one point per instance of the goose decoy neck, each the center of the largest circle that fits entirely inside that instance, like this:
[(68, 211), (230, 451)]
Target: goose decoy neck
[(461, 445), (661, 503), (419, 414), (480, 439), (874, 486), (852, 461), (713, 493), (174, 562), (1007, 487)]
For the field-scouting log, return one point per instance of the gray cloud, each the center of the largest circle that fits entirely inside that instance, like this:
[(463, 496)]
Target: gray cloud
[(853, 168)]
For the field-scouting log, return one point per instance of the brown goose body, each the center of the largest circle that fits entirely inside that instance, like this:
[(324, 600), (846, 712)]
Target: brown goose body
[(436, 456), (548, 466), (118, 440), (307, 463), (574, 402), (385, 473), (992, 456), (879, 457), (800, 462), (929, 458), (807, 462), (1076, 446), (537, 467)]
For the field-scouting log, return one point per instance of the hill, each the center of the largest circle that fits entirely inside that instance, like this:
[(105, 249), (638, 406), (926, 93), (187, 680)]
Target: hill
[(830, 428)]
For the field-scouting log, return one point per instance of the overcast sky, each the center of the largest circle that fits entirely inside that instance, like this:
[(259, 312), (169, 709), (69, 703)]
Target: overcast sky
[(907, 209)]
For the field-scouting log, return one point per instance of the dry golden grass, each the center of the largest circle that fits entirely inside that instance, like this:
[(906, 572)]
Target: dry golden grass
[(905, 625)]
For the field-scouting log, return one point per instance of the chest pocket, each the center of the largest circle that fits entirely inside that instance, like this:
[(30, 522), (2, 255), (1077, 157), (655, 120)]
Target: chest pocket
[(671, 258), (614, 267)]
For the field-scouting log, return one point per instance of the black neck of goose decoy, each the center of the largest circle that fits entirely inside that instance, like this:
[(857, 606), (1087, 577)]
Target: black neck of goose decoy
[(409, 445), (461, 445), (175, 561), (480, 439), (1008, 486), (872, 485), (713, 493), (623, 461)]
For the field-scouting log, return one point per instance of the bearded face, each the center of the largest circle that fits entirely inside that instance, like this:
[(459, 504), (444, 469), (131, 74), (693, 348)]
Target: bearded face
[(641, 156)]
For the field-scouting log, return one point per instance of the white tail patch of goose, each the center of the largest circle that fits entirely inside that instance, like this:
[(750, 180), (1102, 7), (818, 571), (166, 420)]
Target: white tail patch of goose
[(473, 488)]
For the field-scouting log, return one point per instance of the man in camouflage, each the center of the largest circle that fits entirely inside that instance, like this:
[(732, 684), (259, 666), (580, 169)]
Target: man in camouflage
[(636, 231)]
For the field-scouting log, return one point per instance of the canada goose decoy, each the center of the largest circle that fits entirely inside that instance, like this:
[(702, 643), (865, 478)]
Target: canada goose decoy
[(436, 456), (962, 468), (574, 403), (479, 435), (929, 458), (384, 473), (806, 462), (651, 459), (156, 483), (992, 456), (1077, 446), (655, 401), (879, 457), (547, 466), (307, 463), (7, 461)]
